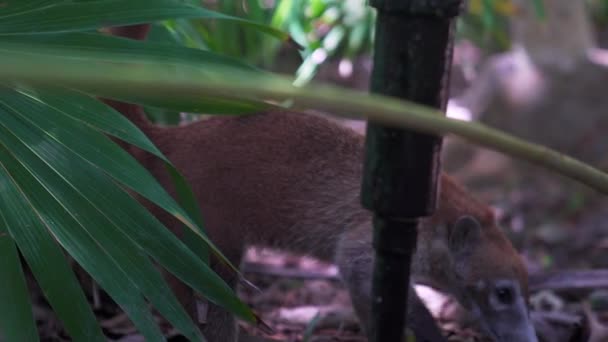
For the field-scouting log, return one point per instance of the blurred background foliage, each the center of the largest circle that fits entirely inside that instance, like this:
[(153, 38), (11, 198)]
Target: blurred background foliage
[(320, 31)]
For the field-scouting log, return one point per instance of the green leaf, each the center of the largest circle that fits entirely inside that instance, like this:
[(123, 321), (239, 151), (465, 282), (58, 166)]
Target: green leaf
[(16, 318), (107, 48), (101, 117), (189, 202), (64, 16), (47, 262), (68, 217), (12, 7), (90, 111), (87, 142), (333, 39), (356, 39), (135, 222), (228, 36), (101, 49), (61, 127), (181, 32)]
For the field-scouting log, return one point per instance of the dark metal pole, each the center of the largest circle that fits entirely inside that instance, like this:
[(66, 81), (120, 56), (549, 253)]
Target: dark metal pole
[(412, 58)]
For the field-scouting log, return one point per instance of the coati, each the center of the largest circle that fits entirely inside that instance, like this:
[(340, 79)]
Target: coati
[(292, 181)]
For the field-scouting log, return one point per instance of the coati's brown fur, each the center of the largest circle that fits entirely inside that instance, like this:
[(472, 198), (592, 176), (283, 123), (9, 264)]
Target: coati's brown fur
[(292, 181)]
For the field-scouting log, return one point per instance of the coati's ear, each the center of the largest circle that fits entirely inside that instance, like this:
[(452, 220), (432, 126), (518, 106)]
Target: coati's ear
[(464, 235)]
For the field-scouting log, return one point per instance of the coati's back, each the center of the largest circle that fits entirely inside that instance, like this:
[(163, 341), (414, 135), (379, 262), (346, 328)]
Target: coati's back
[(283, 179)]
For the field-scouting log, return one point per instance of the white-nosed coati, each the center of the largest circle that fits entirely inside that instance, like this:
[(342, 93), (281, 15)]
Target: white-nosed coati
[(292, 181)]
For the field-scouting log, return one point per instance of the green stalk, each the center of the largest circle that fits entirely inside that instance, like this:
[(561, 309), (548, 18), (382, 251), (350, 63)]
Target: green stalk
[(141, 82)]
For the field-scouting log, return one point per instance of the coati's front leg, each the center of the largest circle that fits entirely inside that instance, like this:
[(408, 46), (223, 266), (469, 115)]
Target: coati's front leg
[(355, 258)]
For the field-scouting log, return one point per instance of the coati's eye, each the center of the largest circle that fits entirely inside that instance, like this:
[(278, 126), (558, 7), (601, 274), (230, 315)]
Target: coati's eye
[(504, 294)]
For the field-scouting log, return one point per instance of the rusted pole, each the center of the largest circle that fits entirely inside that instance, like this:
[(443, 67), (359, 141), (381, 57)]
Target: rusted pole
[(412, 59)]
